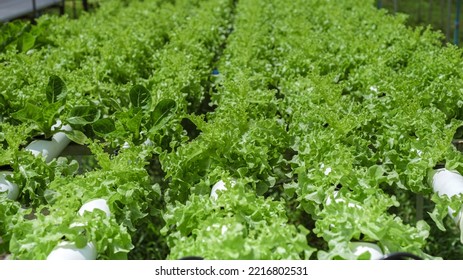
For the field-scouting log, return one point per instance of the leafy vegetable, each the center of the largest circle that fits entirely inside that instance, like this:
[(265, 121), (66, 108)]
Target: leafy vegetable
[(328, 122)]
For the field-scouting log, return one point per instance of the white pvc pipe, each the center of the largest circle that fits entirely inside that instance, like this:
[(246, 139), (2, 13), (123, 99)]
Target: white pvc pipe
[(449, 183), (359, 248), (6, 186), (50, 149), (446, 182), (68, 251), (95, 204)]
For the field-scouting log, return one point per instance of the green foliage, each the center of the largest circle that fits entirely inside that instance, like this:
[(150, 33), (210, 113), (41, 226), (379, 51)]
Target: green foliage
[(321, 124), (238, 225)]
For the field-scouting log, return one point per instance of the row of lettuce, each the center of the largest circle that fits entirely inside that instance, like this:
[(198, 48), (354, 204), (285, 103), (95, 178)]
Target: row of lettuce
[(321, 132)]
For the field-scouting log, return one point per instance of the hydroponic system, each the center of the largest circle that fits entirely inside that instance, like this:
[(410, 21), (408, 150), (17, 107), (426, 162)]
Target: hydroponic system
[(265, 129)]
